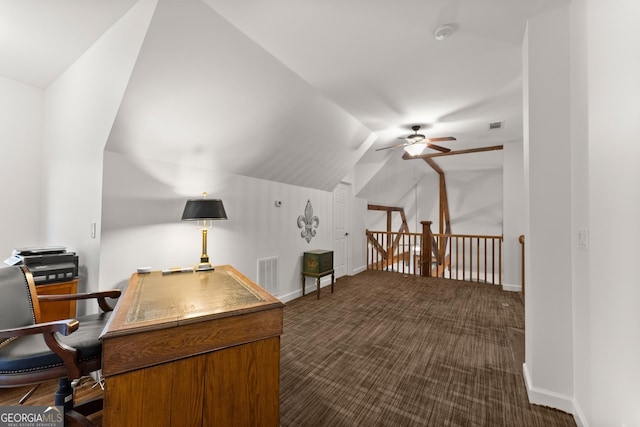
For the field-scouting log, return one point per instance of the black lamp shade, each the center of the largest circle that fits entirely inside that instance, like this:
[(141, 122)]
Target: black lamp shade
[(199, 209)]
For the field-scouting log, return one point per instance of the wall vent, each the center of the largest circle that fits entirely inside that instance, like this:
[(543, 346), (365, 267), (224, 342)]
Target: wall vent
[(268, 274), (495, 125)]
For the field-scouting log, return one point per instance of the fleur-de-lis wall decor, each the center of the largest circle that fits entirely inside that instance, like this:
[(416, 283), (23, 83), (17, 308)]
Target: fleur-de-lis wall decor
[(308, 222)]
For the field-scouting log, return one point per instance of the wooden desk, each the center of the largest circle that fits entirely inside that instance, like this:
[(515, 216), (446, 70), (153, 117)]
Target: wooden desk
[(197, 348)]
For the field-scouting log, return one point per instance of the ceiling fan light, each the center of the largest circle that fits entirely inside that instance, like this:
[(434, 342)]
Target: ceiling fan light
[(415, 149)]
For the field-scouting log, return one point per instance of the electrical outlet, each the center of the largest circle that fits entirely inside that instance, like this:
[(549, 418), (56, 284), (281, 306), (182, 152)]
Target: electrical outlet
[(583, 239)]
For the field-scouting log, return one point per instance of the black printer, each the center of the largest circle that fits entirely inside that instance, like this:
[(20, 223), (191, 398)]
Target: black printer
[(47, 264)]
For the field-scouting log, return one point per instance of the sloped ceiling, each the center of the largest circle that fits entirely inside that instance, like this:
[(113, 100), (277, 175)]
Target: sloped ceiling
[(380, 61), (203, 94), (295, 91), (40, 39)]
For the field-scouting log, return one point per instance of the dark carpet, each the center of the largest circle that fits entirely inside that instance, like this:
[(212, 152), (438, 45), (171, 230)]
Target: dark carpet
[(392, 350)]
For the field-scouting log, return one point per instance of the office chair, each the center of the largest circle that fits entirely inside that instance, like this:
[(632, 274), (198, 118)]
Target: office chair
[(33, 352)]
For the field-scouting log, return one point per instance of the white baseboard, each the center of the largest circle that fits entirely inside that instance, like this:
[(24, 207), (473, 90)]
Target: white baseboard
[(511, 288), (359, 269), (539, 396), (555, 400), (290, 296), (309, 288), (578, 415)]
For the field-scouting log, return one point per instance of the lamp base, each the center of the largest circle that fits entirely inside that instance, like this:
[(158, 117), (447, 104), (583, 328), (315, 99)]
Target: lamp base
[(204, 266)]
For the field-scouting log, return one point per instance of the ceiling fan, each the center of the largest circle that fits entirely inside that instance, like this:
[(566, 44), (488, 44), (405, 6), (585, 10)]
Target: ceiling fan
[(417, 142)]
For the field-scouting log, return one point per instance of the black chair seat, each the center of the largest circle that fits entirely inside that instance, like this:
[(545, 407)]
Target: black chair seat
[(31, 353)]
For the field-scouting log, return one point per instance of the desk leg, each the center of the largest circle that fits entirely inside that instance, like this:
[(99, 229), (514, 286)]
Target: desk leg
[(333, 279), (318, 288), (302, 284)]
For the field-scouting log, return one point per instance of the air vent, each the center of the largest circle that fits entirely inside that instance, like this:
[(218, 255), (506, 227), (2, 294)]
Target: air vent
[(268, 274), (495, 125)]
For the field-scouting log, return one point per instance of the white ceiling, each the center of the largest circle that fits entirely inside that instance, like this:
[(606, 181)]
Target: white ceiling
[(377, 61), (39, 39), (380, 61)]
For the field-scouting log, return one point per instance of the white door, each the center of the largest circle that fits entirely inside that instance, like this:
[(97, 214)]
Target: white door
[(341, 232)]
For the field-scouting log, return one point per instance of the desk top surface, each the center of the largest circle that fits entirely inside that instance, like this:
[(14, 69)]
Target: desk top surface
[(156, 300)]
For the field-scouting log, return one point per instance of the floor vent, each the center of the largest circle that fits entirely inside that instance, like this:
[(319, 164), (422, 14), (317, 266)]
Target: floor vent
[(268, 274)]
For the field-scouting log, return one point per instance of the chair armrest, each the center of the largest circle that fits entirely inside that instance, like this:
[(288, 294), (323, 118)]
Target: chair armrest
[(64, 327), (101, 296), (48, 331)]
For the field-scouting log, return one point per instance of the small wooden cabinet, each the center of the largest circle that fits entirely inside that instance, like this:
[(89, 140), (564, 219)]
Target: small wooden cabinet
[(318, 263), (58, 310)]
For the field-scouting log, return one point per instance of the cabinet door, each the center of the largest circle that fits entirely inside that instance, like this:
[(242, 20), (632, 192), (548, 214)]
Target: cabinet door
[(242, 385), (59, 310), (235, 386)]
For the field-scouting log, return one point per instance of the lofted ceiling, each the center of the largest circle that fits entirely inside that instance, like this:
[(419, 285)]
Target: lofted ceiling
[(295, 91), (40, 39)]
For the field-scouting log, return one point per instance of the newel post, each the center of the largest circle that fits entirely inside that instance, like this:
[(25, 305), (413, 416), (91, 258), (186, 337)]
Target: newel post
[(425, 250)]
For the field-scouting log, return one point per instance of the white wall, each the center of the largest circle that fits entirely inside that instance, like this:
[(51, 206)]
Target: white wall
[(514, 216), (548, 305), (600, 383), (21, 109), (417, 197), (79, 110), (475, 203), (583, 405), (613, 67), (142, 226)]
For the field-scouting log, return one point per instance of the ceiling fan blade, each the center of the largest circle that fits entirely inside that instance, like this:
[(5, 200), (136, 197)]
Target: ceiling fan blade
[(439, 148), (444, 138), (391, 146)]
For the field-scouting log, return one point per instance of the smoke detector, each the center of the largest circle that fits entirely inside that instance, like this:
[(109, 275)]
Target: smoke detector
[(444, 31)]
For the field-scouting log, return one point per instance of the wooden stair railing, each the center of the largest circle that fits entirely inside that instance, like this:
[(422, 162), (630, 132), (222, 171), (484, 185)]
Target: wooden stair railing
[(400, 257), (376, 244), (475, 258)]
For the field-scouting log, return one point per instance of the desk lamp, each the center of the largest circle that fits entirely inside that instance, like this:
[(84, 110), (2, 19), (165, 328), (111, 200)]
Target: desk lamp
[(204, 210)]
